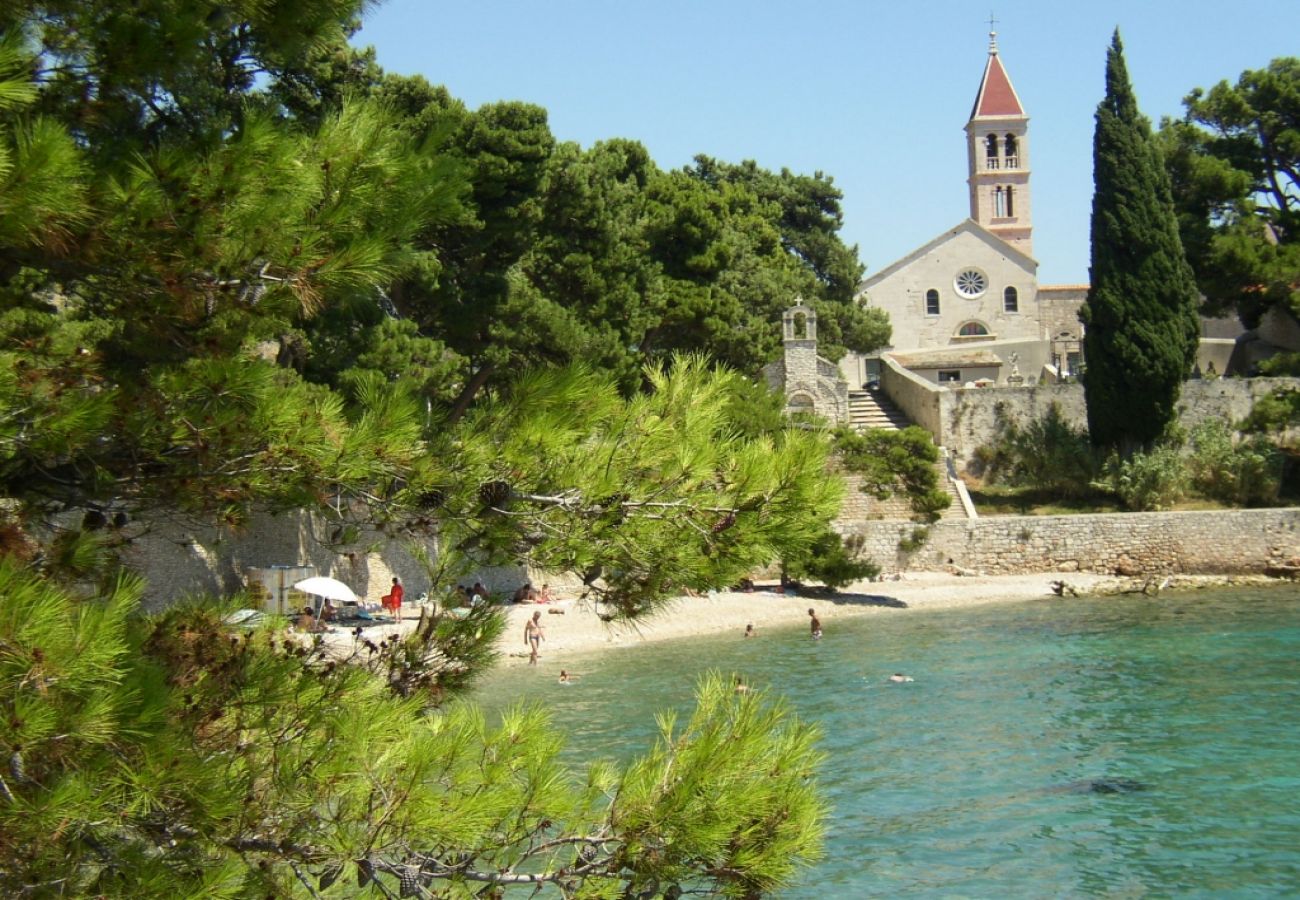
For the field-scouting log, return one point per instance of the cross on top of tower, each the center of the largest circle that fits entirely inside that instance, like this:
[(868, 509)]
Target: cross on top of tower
[(993, 35)]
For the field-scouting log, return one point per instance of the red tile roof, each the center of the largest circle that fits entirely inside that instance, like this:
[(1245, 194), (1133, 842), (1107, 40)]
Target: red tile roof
[(996, 97)]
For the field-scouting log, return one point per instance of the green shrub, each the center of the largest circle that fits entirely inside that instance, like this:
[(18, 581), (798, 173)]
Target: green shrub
[(1278, 411), (1281, 365), (832, 560), (910, 543), (892, 461), (1048, 454), (1156, 479), (1246, 473)]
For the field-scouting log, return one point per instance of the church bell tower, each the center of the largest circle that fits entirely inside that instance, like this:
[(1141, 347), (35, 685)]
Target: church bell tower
[(998, 157)]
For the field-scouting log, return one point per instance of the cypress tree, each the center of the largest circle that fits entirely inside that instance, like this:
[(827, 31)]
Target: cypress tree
[(1140, 316)]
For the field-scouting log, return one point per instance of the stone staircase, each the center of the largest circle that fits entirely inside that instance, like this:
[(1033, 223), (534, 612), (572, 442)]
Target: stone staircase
[(873, 409)]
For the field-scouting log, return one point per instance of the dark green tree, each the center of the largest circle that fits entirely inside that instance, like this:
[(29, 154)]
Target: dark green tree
[(1234, 160), (168, 757), (170, 237), (1140, 316)]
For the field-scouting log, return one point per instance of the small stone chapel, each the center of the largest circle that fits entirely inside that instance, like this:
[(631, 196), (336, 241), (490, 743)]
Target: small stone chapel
[(808, 382)]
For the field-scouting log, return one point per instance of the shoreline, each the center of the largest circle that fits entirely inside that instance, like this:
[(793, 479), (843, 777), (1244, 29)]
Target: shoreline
[(573, 630)]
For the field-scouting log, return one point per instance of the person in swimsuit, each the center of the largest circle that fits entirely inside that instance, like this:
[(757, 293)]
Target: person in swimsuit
[(815, 625), (533, 635)]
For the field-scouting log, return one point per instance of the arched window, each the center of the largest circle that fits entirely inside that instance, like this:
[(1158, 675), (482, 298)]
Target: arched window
[(972, 329), (1011, 207), (1012, 148), (991, 150), (1011, 300), (932, 302), (999, 202), (800, 325)]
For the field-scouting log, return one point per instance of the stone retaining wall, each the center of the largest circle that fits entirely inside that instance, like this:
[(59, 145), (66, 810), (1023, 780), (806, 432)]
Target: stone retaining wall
[(1212, 542), (181, 558), (965, 419)]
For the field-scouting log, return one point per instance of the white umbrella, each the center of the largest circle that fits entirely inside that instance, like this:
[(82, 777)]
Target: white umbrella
[(329, 588)]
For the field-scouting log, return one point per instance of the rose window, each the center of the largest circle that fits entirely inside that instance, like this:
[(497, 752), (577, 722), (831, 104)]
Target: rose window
[(971, 283)]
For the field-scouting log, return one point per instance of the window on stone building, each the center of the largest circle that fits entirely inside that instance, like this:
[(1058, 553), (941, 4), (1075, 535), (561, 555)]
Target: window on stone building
[(1011, 300), (999, 202), (950, 376), (991, 151), (972, 329), (1011, 150), (932, 302), (1011, 207)]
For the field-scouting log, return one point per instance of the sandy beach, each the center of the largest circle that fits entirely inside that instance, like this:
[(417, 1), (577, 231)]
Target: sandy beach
[(572, 627)]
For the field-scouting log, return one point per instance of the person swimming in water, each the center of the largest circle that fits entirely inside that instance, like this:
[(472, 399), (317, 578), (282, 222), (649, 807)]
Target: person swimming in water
[(899, 677), (749, 630), (815, 625)]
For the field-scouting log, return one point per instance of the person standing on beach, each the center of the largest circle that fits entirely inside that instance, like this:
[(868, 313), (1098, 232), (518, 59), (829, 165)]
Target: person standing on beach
[(533, 636), (816, 625), (392, 601)]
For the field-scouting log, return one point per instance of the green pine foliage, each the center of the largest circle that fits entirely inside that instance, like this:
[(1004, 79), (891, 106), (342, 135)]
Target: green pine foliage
[(832, 561), (1140, 316), (896, 461), (173, 757), (1234, 159), (241, 270)]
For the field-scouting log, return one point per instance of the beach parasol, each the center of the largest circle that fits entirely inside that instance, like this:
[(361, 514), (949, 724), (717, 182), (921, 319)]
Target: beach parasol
[(329, 588)]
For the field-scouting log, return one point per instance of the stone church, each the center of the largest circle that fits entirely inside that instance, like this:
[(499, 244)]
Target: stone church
[(962, 304)]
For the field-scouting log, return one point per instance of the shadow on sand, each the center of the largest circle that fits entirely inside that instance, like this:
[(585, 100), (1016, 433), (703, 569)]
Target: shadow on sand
[(849, 599)]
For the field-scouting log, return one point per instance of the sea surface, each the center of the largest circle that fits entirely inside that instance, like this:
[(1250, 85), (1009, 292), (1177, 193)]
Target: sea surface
[(1118, 747)]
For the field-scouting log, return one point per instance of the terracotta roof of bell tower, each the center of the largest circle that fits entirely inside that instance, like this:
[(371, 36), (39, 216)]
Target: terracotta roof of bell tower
[(996, 96)]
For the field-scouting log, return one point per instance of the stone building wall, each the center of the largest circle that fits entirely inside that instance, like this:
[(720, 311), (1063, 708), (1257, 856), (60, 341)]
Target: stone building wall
[(182, 558), (969, 419), (1211, 542), (860, 507)]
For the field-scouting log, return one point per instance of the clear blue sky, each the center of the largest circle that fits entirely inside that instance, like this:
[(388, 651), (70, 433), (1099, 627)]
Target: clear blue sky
[(874, 94)]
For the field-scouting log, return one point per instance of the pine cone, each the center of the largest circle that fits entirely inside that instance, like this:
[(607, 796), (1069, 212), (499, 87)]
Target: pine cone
[(432, 499), (724, 523), (494, 493), (408, 885)]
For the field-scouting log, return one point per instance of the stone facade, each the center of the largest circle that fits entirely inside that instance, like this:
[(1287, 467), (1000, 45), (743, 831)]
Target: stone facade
[(928, 307), (181, 558), (809, 383), (976, 285), (964, 420), (1212, 542)]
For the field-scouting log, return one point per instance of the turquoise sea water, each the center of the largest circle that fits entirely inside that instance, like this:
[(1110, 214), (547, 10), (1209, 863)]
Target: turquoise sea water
[(987, 776)]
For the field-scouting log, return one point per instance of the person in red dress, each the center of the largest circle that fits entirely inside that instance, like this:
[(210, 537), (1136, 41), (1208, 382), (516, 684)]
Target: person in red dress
[(392, 601)]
